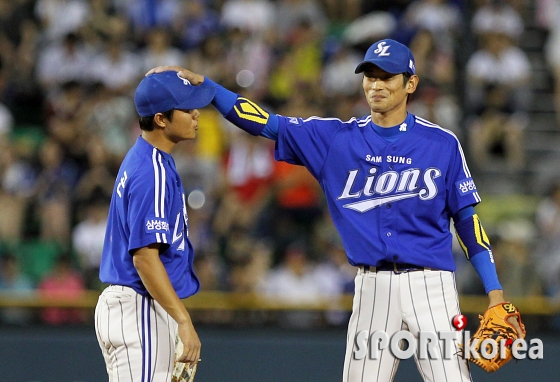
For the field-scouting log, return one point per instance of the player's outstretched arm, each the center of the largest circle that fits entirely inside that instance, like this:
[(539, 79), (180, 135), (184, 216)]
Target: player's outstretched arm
[(240, 111), (154, 277)]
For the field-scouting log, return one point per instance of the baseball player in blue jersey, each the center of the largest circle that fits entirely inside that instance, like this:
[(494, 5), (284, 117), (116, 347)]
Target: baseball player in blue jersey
[(147, 256), (392, 182)]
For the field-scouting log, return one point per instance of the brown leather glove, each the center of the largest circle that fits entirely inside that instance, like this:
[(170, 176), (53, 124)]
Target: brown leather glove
[(494, 325)]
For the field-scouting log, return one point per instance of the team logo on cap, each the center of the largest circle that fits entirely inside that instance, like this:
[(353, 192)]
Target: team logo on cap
[(185, 81), (382, 49)]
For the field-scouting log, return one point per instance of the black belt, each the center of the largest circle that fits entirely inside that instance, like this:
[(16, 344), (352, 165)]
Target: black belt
[(398, 268)]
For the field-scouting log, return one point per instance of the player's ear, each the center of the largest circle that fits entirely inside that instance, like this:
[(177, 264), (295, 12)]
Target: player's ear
[(159, 120), (412, 84)]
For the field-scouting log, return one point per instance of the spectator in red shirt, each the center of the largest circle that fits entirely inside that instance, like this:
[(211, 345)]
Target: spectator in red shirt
[(62, 283)]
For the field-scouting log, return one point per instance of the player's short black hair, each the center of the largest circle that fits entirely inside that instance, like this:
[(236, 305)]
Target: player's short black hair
[(406, 77), (147, 123)]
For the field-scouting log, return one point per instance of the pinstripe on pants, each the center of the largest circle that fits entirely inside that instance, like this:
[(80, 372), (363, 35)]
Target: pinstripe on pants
[(136, 336), (415, 301)]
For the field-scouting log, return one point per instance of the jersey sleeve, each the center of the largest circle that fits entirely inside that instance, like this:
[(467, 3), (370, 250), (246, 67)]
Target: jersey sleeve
[(461, 189), (148, 212), (306, 142)]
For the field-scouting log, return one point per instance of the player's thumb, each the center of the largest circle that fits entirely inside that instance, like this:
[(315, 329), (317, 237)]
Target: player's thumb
[(515, 322)]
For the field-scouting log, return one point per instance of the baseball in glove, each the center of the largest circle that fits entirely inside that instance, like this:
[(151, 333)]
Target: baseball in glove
[(494, 326), (182, 372)]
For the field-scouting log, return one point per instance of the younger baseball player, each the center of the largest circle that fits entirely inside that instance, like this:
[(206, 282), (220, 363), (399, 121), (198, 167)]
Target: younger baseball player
[(147, 256), (392, 182)]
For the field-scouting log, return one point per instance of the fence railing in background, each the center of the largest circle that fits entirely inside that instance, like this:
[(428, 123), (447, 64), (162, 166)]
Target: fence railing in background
[(210, 300)]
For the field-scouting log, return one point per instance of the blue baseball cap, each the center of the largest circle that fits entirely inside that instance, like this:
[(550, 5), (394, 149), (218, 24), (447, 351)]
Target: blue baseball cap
[(389, 55), (160, 92)]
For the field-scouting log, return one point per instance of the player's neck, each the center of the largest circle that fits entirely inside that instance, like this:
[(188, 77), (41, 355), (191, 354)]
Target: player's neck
[(158, 140), (389, 118)]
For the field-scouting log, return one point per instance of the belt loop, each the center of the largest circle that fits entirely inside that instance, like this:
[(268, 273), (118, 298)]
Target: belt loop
[(367, 269), (397, 271)]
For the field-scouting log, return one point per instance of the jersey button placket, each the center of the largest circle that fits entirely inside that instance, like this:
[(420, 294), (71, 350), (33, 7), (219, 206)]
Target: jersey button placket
[(384, 214)]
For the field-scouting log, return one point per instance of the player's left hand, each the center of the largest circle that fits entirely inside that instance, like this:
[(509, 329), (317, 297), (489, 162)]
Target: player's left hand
[(194, 78), (497, 297), (496, 325)]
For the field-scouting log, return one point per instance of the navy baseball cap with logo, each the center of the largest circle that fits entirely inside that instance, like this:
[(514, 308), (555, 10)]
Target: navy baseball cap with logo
[(160, 92), (391, 56)]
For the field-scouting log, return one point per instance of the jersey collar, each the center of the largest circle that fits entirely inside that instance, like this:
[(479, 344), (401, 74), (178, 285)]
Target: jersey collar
[(149, 147), (394, 132)]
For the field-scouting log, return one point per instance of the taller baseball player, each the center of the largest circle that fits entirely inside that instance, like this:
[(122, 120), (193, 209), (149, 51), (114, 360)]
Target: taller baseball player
[(392, 182), (147, 255)]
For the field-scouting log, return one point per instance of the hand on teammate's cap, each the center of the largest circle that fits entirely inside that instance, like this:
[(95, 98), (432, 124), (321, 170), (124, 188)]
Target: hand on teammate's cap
[(194, 78)]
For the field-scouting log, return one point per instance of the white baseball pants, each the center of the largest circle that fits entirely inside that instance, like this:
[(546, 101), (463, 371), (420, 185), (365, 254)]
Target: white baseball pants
[(415, 301), (136, 336)]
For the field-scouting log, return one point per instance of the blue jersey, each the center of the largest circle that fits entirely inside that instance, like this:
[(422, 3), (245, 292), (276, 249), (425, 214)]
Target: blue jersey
[(390, 200), (147, 207)]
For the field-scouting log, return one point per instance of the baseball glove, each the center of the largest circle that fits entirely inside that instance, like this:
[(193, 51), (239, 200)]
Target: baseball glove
[(495, 326), (182, 372)]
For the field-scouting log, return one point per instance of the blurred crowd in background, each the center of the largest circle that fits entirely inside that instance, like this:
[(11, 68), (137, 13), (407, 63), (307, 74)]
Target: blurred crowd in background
[(68, 71)]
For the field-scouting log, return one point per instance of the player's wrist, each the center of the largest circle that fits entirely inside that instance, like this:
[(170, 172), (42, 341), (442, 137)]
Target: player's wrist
[(184, 319), (224, 99), (496, 297)]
